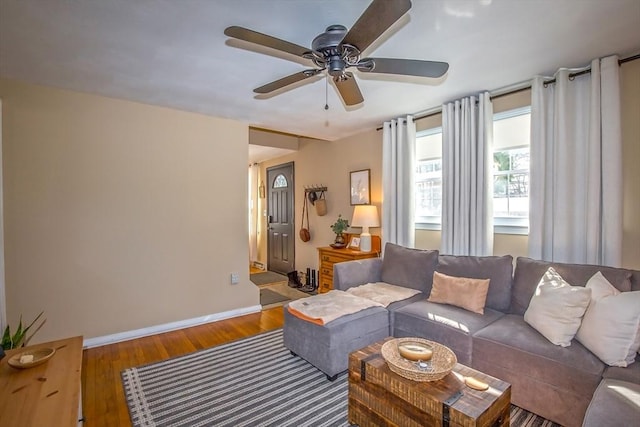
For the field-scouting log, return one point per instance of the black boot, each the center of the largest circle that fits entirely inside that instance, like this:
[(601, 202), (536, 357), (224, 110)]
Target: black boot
[(293, 279)]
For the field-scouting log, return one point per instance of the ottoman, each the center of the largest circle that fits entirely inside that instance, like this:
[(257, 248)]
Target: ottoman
[(327, 347)]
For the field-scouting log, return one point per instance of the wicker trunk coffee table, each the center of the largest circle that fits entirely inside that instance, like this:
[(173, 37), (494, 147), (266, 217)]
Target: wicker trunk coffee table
[(379, 397)]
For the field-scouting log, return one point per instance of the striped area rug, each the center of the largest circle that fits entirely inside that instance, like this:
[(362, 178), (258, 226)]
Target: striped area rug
[(251, 382)]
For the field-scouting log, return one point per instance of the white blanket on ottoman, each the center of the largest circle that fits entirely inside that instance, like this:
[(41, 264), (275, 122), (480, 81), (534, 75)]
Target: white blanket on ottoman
[(323, 308), (383, 293)]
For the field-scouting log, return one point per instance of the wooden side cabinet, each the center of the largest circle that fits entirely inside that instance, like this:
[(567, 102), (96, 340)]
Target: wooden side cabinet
[(329, 256)]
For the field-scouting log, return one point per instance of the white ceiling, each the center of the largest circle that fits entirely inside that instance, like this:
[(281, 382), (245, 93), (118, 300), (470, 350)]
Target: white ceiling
[(173, 53)]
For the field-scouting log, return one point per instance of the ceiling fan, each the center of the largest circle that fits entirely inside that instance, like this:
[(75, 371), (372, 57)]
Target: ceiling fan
[(338, 49)]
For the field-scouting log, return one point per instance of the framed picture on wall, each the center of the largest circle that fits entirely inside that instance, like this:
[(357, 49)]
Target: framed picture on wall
[(360, 187)]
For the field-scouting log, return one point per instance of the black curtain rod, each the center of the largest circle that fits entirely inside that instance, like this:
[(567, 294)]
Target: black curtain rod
[(588, 70), (522, 89)]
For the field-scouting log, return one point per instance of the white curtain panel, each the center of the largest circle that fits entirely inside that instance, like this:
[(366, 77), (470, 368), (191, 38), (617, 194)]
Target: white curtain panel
[(576, 167), (467, 158), (398, 167), (254, 175)]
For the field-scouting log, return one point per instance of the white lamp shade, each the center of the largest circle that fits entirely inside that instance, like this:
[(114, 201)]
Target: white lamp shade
[(365, 216)]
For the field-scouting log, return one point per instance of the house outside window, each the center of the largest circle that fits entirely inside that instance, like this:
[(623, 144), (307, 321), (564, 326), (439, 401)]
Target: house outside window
[(511, 135)]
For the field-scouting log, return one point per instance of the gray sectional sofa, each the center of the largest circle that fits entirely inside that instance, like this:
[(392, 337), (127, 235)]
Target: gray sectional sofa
[(559, 383)]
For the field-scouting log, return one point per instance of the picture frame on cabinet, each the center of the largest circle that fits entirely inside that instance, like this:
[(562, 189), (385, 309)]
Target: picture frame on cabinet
[(354, 243)]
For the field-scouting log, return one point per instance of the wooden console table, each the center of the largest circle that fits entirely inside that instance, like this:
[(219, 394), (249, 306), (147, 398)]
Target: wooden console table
[(330, 256), (44, 395)]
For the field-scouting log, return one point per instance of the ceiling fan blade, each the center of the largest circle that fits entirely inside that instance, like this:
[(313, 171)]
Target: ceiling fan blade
[(348, 88), (286, 81), (380, 15), (265, 40), (408, 67)]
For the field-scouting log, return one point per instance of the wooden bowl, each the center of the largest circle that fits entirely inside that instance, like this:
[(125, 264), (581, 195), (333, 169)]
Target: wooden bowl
[(415, 351), (40, 355)]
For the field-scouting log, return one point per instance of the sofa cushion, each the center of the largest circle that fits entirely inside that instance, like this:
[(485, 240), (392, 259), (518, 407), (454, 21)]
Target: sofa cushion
[(462, 292), (556, 308), (528, 272), (355, 273), (513, 346), (412, 268), (615, 403), (446, 324), (611, 325), (398, 305), (631, 373), (498, 269)]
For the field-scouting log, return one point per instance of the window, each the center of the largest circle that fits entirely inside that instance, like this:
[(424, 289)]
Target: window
[(280, 182), (511, 183), (429, 178), (511, 133)]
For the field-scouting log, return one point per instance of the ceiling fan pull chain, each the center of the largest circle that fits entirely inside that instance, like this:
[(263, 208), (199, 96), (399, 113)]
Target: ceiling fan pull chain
[(326, 92)]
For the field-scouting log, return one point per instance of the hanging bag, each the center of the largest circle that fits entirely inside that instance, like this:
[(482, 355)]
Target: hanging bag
[(321, 205), (305, 235)]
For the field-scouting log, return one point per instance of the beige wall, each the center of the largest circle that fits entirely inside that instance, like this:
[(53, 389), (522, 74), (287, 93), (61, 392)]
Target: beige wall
[(273, 139), (119, 216), (630, 89)]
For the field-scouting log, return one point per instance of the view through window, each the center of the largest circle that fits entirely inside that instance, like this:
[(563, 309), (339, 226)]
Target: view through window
[(511, 135)]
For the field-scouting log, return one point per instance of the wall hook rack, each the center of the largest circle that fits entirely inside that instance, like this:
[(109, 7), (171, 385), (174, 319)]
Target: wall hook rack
[(312, 193), (315, 189)]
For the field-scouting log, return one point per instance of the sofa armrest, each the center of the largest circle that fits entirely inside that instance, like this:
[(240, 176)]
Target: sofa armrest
[(356, 273)]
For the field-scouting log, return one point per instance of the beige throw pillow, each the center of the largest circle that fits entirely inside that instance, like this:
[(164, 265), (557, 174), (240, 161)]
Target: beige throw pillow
[(464, 292), (611, 325), (556, 308)]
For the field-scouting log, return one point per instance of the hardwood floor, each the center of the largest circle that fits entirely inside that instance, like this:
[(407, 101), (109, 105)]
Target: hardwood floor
[(103, 398), (255, 270)]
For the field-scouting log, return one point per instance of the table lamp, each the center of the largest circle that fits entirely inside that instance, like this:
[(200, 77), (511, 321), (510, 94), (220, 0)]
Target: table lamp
[(365, 216)]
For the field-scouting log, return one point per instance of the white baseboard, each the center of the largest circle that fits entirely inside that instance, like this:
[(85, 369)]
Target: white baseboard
[(158, 329)]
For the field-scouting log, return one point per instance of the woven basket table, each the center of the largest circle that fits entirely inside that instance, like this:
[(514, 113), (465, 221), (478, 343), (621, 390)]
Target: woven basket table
[(380, 397)]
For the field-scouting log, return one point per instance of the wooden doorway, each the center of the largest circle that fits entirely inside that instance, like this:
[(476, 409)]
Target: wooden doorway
[(280, 218)]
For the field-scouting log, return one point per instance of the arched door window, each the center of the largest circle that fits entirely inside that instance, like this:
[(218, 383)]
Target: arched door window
[(280, 182)]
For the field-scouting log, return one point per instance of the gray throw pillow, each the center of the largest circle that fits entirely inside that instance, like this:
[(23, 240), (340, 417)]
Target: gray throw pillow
[(411, 268)]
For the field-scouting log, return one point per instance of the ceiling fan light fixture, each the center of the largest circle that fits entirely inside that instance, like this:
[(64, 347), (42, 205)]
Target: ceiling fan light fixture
[(337, 49)]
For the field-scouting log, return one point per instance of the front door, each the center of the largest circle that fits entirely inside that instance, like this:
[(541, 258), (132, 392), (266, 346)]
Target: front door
[(280, 207)]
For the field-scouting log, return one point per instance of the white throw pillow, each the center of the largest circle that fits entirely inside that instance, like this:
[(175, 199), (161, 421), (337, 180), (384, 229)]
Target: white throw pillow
[(611, 325), (556, 308)]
